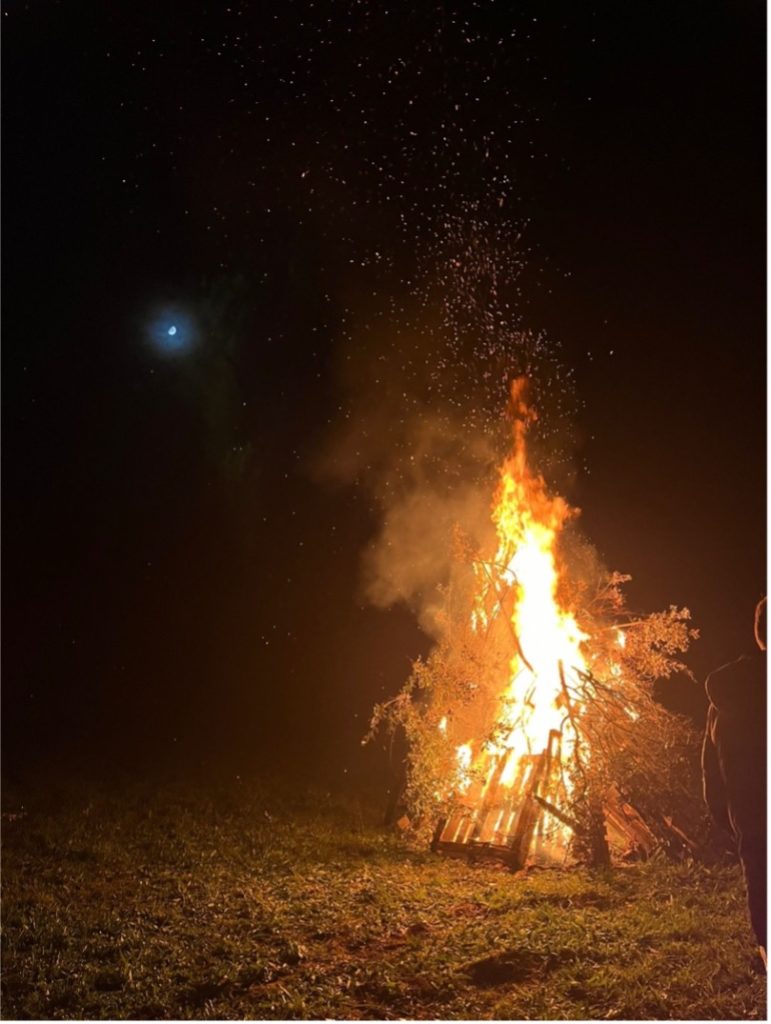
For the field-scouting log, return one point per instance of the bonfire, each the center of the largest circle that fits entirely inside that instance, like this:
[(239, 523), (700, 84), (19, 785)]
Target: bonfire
[(532, 729)]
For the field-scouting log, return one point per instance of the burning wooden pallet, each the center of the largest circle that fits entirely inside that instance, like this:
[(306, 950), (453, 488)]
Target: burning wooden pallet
[(521, 823), (507, 823)]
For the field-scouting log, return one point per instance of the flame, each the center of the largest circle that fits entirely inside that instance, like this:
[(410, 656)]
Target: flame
[(464, 757), (535, 706)]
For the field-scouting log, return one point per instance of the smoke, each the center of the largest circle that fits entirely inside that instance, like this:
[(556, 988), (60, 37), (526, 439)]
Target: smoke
[(423, 470), (422, 425), (411, 555)]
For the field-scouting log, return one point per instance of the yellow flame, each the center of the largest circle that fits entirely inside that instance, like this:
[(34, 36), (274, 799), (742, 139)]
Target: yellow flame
[(464, 757), (534, 702), (549, 637)]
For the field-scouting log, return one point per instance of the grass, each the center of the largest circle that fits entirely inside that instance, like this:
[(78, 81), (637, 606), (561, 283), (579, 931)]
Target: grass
[(244, 905)]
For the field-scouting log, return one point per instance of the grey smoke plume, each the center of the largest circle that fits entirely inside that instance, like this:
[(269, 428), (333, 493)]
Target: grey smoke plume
[(411, 555), (423, 426)]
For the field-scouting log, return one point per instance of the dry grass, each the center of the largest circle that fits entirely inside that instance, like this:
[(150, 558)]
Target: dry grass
[(243, 905)]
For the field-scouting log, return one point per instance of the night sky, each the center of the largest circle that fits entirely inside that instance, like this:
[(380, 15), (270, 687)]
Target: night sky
[(219, 225)]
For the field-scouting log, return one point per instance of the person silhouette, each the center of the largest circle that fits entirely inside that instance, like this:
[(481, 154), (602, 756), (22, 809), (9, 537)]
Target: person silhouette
[(734, 765)]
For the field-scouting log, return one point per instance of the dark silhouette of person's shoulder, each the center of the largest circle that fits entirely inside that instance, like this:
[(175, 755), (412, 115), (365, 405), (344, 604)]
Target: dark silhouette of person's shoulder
[(740, 685)]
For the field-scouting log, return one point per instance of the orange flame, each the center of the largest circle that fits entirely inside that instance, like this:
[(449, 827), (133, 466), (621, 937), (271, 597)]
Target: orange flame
[(534, 702)]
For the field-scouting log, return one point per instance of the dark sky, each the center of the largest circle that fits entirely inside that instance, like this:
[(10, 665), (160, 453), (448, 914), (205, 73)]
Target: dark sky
[(180, 586)]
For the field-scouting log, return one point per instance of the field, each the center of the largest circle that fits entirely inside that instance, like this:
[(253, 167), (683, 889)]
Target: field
[(244, 904)]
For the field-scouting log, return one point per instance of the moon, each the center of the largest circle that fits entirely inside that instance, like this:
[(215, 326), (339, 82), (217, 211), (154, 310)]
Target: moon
[(171, 331)]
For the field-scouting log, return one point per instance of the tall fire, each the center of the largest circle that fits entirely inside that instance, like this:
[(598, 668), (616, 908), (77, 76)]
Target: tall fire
[(533, 732)]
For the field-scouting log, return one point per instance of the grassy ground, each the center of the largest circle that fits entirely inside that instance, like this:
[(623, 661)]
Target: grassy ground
[(228, 906)]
